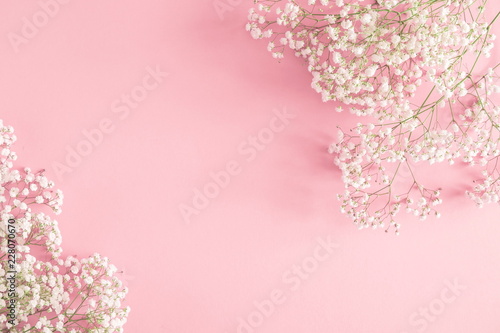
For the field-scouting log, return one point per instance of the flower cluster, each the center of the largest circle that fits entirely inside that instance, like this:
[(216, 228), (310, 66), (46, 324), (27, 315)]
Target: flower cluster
[(55, 295), (377, 57), (373, 54), (371, 156)]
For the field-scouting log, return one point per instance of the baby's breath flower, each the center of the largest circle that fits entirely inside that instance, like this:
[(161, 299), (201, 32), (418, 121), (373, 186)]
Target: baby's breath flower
[(374, 59), (54, 295)]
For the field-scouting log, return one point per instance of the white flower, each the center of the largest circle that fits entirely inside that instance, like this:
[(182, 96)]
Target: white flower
[(370, 71), (366, 18), (346, 24)]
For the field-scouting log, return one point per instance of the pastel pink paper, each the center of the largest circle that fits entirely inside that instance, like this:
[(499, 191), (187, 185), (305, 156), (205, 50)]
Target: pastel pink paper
[(123, 199)]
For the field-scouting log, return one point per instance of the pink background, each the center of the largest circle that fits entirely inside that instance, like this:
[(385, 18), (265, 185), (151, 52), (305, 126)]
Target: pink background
[(123, 199)]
